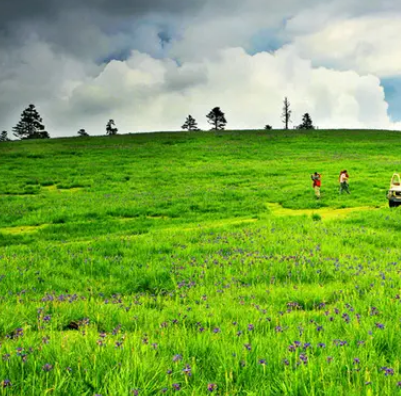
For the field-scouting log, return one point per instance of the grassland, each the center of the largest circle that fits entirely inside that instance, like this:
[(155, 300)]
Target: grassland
[(200, 263)]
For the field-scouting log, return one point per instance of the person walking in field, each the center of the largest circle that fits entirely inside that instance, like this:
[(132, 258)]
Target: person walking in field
[(317, 182), (343, 179)]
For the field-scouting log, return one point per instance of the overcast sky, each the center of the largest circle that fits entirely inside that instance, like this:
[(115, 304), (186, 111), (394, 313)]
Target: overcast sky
[(149, 63)]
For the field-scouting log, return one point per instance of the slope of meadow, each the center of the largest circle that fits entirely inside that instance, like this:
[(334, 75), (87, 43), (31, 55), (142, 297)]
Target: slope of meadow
[(200, 264)]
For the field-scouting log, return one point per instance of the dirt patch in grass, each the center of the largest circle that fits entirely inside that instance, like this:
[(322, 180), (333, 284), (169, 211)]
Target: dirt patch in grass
[(324, 213), (218, 223), (155, 217), (22, 229), (53, 188)]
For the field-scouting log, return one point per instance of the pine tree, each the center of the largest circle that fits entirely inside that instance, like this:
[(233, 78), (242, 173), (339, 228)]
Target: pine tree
[(268, 127), (4, 137), (30, 126), (306, 122), (217, 119), (110, 128), (83, 133), (286, 113), (190, 124)]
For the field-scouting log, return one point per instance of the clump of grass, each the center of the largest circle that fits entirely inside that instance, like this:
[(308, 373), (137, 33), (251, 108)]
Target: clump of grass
[(316, 217)]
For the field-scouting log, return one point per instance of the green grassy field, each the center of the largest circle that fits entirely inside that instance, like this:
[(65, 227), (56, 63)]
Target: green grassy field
[(200, 263)]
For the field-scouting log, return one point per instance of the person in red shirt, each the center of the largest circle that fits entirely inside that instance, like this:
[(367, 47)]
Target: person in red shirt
[(317, 182)]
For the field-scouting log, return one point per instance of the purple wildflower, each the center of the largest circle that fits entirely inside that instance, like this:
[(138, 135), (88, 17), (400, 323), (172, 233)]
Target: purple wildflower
[(248, 346), (177, 357), (346, 317), (6, 383), (116, 329), (177, 387), (388, 371), (374, 311), (262, 362), (303, 358), (187, 370), (47, 367), (19, 332), (251, 327), (211, 387)]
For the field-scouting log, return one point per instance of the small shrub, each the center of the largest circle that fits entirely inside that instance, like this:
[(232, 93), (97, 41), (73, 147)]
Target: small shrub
[(316, 217)]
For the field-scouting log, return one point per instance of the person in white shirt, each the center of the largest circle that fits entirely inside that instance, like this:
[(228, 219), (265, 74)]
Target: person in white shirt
[(343, 179)]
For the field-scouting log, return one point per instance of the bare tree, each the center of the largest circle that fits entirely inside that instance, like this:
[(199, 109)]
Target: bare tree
[(286, 113)]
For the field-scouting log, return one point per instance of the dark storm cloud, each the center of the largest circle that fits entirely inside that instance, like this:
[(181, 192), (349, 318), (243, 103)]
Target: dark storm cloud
[(29, 10), (83, 27)]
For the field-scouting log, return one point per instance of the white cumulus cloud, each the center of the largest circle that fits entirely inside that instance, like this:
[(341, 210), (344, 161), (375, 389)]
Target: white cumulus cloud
[(145, 94), (367, 44)]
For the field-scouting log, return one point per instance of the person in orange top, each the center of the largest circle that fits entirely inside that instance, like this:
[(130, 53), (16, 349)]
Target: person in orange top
[(317, 182)]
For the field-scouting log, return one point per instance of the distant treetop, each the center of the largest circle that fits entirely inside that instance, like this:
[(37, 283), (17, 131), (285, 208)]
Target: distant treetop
[(82, 133), (30, 126), (111, 129), (217, 118), (306, 122), (190, 124)]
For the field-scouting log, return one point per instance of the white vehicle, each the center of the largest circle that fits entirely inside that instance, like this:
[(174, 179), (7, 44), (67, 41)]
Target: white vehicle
[(394, 193)]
